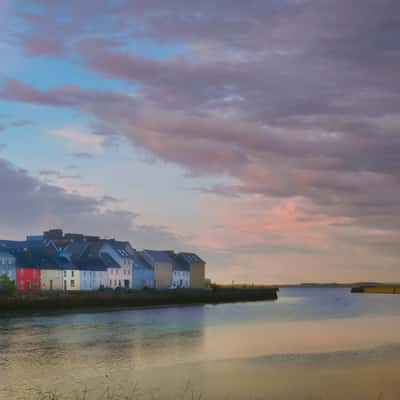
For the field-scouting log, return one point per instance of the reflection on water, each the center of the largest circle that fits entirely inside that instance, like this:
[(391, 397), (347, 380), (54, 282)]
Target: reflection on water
[(319, 342)]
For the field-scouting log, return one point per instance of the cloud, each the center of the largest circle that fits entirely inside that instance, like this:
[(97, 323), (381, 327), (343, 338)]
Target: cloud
[(51, 173), (77, 140), (66, 96), (293, 101), (28, 204), (83, 155)]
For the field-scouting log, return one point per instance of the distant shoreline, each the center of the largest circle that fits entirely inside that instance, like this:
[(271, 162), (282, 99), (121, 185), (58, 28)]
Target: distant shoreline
[(314, 285)]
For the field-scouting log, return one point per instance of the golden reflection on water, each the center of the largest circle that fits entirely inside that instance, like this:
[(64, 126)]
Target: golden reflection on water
[(346, 358), (263, 338)]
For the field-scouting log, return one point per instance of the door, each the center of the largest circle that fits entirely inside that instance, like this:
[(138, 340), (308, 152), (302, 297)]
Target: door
[(65, 285), (126, 284)]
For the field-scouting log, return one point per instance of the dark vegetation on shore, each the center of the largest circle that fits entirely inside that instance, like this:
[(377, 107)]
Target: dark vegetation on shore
[(60, 301)]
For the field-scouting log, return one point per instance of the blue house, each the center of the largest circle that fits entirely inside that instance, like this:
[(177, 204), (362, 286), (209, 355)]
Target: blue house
[(143, 273), (7, 264)]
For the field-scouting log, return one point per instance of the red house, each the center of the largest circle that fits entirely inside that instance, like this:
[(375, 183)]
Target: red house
[(28, 279)]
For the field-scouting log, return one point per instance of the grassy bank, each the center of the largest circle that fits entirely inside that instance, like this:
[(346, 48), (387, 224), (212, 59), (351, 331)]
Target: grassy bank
[(53, 301)]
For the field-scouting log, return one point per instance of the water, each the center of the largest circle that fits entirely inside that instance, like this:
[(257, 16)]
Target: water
[(310, 344)]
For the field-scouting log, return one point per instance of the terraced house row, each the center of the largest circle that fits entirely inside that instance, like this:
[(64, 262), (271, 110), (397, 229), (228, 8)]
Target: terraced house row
[(58, 261)]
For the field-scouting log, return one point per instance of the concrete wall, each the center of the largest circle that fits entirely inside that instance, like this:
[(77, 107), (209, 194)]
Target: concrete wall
[(197, 275), (162, 275), (51, 279)]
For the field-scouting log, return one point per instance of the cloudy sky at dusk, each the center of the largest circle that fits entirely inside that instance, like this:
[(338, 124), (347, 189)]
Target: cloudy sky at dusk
[(262, 134)]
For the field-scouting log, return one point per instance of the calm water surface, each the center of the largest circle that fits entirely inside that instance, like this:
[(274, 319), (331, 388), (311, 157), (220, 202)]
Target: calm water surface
[(310, 344)]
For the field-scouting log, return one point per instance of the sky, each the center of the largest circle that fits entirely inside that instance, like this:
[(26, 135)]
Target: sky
[(261, 134)]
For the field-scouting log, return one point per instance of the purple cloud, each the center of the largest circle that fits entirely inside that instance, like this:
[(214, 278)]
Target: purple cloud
[(290, 99)]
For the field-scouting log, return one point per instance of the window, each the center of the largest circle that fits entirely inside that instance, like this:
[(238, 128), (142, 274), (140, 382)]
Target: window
[(72, 274), (115, 283), (65, 274), (110, 282), (119, 283)]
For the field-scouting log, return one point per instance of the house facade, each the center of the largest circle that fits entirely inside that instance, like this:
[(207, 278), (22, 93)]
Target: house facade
[(51, 278), (75, 279), (87, 280), (27, 279), (71, 279), (73, 262), (162, 265), (142, 273), (7, 265), (180, 279), (197, 268), (118, 256)]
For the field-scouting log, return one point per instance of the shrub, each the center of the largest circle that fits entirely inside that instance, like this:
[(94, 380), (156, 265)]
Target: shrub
[(7, 286)]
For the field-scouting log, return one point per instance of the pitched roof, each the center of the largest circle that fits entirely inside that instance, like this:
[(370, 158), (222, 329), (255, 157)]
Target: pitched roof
[(34, 258), (158, 255), (190, 258), (74, 250), (139, 262), (177, 264), (166, 256), (12, 244), (5, 253), (108, 261), (124, 249), (91, 258), (15, 245)]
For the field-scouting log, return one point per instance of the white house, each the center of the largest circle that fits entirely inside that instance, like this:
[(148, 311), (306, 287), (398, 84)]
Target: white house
[(118, 256), (180, 279), (88, 280), (99, 263), (101, 279), (180, 273)]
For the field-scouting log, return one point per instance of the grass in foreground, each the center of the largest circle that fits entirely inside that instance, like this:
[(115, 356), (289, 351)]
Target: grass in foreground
[(119, 393)]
